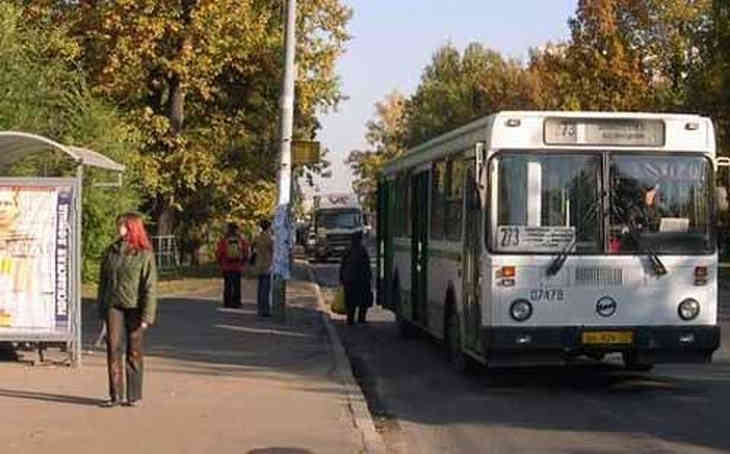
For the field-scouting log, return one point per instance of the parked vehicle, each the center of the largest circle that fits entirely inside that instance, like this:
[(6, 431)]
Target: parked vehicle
[(336, 218)]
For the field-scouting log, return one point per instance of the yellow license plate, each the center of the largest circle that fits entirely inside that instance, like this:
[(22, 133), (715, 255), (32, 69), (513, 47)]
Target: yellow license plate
[(608, 337)]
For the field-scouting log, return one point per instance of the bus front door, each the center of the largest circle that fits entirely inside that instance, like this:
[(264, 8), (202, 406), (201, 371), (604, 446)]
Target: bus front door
[(419, 246)]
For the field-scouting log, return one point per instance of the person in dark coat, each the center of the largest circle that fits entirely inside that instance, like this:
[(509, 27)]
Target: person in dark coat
[(264, 249), (355, 276)]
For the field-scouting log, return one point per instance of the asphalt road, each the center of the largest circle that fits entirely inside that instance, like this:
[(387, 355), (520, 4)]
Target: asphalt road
[(422, 406)]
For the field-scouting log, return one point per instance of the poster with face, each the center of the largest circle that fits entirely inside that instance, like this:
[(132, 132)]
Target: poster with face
[(34, 236)]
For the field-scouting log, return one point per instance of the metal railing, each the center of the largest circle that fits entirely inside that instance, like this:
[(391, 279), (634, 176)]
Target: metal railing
[(167, 254)]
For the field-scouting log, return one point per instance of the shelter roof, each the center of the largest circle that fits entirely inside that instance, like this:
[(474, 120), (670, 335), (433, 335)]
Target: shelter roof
[(16, 145)]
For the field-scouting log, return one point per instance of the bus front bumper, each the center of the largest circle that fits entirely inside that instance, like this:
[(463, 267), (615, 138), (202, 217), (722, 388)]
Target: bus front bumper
[(648, 344)]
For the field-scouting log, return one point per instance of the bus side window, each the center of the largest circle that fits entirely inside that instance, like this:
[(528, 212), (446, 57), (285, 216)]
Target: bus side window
[(454, 199), (402, 212), (438, 200), (397, 219)]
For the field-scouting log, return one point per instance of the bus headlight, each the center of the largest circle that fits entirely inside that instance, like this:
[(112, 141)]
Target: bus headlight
[(520, 310), (688, 309)]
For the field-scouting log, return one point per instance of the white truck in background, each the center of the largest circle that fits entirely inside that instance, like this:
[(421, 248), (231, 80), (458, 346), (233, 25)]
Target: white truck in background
[(336, 218)]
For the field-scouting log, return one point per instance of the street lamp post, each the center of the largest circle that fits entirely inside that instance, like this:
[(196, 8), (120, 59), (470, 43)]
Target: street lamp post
[(282, 221)]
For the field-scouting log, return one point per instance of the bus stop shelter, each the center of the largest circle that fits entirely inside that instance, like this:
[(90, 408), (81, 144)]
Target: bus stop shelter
[(40, 246)]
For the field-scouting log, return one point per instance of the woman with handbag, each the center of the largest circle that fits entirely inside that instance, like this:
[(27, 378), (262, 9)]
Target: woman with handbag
[(355, 276), (127, 302)]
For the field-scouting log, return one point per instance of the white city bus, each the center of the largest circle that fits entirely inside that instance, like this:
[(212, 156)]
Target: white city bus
[(538, 237)]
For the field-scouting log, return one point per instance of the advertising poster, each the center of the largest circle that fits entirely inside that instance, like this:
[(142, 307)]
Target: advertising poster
[(34, 256)]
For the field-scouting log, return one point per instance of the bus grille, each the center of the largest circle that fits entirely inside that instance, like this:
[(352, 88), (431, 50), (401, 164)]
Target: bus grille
[(598, 276)]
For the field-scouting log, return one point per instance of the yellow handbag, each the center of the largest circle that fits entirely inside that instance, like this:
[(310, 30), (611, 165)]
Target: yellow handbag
[(338, 305)]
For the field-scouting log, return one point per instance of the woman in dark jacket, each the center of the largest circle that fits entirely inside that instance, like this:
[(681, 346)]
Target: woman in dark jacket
[(128, 304), (355, 276)]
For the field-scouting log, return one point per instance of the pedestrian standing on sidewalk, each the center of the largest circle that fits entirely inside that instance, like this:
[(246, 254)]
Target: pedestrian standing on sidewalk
[(127, 302), (355, 276), (232, 253), (263, 247)]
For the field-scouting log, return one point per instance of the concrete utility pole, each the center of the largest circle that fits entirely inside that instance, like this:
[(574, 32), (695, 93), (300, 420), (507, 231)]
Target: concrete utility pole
[(282, 221)]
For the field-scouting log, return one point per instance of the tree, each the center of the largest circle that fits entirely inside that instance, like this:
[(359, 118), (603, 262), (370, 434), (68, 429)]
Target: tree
[(201, 80), (456, 89), (385, 135), (623, 55), (600, 68), (709, 81), (669, 44), (46, 94)]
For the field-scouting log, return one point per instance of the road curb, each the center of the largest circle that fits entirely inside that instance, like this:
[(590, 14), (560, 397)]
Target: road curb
[(363, 420)]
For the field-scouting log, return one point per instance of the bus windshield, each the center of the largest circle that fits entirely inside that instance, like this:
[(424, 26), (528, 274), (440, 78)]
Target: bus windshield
[(660, 203), (548, 202), (339, 219), (552, 203)]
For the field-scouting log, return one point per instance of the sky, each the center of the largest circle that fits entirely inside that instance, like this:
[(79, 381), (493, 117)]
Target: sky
[(392, 42)]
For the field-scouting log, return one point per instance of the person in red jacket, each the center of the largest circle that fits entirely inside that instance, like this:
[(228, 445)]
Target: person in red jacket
[(232, 254)]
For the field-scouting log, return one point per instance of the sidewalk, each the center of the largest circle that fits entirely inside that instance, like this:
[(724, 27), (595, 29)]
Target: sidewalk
[(215, 381)]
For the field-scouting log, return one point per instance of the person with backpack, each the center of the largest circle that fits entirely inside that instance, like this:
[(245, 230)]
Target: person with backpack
[(232, 254)]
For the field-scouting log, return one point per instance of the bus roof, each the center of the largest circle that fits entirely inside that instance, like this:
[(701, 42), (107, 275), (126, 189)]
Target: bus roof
[(526, 130)]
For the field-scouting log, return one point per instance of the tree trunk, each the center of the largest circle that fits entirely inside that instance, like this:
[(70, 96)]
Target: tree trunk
[(166, 219), (177, 105), (195, 255)]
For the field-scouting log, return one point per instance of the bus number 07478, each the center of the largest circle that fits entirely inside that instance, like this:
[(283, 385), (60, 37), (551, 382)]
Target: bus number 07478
[(551, 294)]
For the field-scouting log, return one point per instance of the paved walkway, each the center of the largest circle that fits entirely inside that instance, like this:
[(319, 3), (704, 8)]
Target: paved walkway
[(216, 381)]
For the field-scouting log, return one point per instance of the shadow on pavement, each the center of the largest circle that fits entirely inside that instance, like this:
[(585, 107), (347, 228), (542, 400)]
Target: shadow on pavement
[(46, 397), (194, 331), (215, 341)]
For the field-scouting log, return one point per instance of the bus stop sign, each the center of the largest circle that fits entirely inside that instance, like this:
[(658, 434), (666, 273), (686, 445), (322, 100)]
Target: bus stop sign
[(304, 152)]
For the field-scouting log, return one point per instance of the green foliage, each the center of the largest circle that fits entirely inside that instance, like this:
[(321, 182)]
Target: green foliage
[(201, 81), (623, 55), (45, 93), (709, 81), (386, 137), (456, 88)]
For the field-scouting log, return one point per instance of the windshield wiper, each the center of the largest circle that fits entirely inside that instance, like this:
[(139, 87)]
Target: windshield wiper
[(657, 265), (560, 259), (557, 264)]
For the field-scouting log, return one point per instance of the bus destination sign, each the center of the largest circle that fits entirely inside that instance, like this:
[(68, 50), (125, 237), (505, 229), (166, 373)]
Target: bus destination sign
[(522, 238), (604, 132)]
